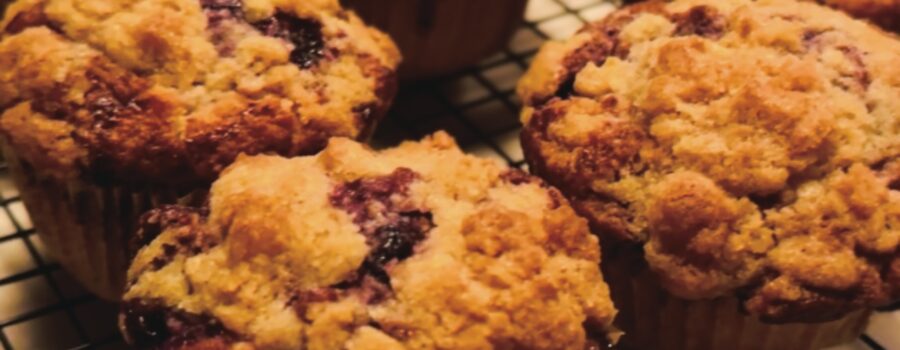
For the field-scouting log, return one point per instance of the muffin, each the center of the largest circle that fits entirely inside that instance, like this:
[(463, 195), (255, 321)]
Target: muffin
[(111, 107), (418, 247), (443, 36), (885, 13), (739, 160)]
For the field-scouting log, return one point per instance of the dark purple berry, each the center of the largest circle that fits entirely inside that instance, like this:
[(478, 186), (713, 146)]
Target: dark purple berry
[(395, 241), (304, 33), (144, 325), (150, 326)]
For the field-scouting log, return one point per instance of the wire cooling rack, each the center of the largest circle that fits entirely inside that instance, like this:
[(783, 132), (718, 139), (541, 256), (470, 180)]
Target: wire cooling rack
[(41, 307)]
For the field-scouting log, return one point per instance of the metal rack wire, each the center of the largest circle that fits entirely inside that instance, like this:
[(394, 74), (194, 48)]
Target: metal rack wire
[(41, 307)]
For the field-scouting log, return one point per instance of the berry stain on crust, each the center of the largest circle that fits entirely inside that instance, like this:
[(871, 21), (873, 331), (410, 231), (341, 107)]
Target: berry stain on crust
[(704, 21), (304, 34), (517, 177), (31, 17), (193, 238), (392, 226), (218, 14), (356, 197), (218, 10)]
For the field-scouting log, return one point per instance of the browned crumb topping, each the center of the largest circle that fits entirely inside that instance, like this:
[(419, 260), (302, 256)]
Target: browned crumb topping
[(750, 148), (169, 92), (415, 247)]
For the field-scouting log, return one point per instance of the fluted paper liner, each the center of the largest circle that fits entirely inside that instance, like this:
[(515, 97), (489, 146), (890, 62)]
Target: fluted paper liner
[(654, 319), (85, 227)]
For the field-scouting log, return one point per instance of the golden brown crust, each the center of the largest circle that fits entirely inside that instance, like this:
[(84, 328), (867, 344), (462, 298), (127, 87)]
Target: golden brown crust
[(169, 92), (750, 147), (415, 247)]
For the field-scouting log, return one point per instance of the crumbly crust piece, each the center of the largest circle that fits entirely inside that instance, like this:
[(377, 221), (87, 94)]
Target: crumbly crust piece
[(169, 92), (751, 148), (418, 247)]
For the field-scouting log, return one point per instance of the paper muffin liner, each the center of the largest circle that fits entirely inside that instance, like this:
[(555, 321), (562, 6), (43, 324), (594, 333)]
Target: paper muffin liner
[(654, 319), (85, 227), (439, 37)]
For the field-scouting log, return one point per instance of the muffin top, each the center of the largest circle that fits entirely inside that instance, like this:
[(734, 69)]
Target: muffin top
[(417, 247), (749, 147), (885, 13), (169, 92)]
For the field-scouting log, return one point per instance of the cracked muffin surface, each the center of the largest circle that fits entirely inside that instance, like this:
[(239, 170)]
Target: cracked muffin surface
[(418, 247), (750, 148), (169, 92)]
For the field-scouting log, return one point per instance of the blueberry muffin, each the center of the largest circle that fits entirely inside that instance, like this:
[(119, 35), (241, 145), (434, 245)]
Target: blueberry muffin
[(109, 107), (730, 154), (419, 247), (436, 36), (885, 13)]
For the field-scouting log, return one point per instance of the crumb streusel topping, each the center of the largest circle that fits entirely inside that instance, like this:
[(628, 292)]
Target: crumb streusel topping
[(418, 247), (750, 147), (169, 92)]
